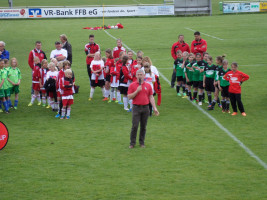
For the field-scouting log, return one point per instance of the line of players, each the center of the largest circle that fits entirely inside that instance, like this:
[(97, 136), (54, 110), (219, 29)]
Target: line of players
[(10, 77), (114, 76), (53, 86), (193, 72)]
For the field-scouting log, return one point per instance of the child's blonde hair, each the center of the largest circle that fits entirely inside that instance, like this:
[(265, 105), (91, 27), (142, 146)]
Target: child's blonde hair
[(147, 59), (36, 59), (52, 65), (43, 62), (147, 65), (15, 60), (68, 71)]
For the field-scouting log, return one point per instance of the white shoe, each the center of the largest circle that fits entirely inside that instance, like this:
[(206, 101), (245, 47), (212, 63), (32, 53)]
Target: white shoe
[(126, 109), (200, 103)]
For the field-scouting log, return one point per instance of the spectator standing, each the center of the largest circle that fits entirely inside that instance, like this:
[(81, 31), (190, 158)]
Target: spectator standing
[(67, 46), (4, 54), (59, 54)]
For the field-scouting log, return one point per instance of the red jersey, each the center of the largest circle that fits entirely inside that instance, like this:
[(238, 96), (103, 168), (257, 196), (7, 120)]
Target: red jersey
[(126, 73), (142, 98), (61, 74), (201, 46), (115, 71), (36, 74), (109, 64), (35, 53), (43, 73), (179, 46), (66, 86), (91, 49), (235, 79), (116, 51)]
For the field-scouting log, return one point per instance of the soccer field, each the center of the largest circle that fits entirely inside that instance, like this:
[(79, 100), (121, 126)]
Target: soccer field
[(187, 156)]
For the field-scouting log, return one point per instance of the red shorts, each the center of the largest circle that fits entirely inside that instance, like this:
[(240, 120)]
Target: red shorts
[(67, 102), (51, 94), (36, 86)]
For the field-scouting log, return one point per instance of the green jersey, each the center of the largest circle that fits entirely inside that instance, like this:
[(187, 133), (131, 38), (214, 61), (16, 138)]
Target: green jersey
[(4, 76), (217, 72), (210, 71), (14, 75), (1, 78), (178, 66), (196, 72), (201, 65), (190, 71), (221, 73)]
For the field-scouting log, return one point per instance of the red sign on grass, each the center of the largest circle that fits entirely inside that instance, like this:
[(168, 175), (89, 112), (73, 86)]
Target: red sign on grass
[(3, 135)]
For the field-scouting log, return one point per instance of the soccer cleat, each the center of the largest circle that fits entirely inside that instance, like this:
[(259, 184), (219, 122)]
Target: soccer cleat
[(62, 117), (1, 110), (179, 94), (127, 109), (130, 110), (142, 146), (228, 111), (200, 103), (184, 97), (11, 106), (211, 108), (209, 105), (30, 104), (7, 112), (67, 117), (220, 105), (57, 116), (120, 103), (131, 146), (244, 114), (43, 104), (105, 99), (48, 106), (206, 101), (15, 107), (114, 99), (223, 111), (234, 113), (194, 101), (110, 101), (90, 99), (39, 103), (184, 94)]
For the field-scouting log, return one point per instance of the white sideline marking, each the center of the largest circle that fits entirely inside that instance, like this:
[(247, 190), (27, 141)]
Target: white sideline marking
[(205, 34), (241, 144), (138, 2)]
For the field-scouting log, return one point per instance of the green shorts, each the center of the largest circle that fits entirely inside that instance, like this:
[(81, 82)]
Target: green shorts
[(7, 92), (14, 89), (2, 93)]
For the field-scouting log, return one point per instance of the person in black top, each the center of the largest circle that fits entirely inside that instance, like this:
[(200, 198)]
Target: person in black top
[(67, 46)]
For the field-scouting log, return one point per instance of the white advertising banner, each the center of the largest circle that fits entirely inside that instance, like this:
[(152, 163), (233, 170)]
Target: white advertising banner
[(13, 13), (241, 7), (98, 11)]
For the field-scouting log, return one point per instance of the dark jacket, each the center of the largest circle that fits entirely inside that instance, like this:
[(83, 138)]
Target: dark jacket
[(68, 47)]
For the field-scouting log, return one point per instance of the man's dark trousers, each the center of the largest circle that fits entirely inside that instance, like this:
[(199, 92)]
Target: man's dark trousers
[(140, 114)]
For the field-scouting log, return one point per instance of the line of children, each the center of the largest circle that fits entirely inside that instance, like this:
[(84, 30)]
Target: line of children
[(203, 74)]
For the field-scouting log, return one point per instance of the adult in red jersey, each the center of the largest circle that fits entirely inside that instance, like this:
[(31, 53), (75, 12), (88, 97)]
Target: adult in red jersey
[(141, 93), (198, 45), (36, 52), (118, 49), (180, 45), (90, 49), (236, 78)]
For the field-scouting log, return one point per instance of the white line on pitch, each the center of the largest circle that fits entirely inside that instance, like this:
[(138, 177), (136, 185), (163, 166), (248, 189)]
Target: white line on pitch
[(205, 34), (138, 2), (241, 144)]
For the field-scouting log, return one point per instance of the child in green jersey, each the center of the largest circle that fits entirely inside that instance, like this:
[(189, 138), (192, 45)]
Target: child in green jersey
[(219, 60), (196, 79), (14, 77), (2, 90), (185, 63), (178, 67), (224, 87), (189, 74)]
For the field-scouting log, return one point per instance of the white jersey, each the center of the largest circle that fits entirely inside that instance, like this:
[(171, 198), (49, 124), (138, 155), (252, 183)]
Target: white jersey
[(51, 74), (62, 52), (151, 79), (99, 63), (153, 69)]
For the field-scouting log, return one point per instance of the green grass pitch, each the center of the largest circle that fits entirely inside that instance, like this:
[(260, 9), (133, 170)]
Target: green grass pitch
[(187, 155)]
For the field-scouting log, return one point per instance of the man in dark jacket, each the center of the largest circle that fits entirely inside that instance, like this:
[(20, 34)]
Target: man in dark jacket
[(66, 45)]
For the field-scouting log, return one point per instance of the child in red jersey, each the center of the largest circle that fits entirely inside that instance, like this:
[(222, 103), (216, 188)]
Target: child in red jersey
[(43, 72), (236, 78), (66, 87), (108, 65), (36, 78), (136, 67)]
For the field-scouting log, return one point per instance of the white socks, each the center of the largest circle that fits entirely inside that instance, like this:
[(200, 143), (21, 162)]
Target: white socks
[(92, 92), (131, 103), (118, 96), (125, 103), (103, 91)]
